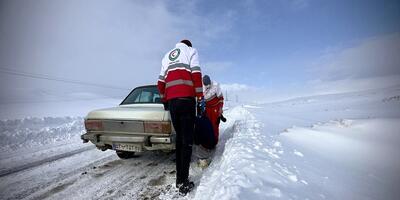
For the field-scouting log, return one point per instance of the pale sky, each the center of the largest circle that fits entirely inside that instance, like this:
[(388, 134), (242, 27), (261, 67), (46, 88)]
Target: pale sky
[(66, 50)]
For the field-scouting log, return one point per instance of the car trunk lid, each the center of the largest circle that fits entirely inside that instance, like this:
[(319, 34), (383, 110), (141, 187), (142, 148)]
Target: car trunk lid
[(141, 112)]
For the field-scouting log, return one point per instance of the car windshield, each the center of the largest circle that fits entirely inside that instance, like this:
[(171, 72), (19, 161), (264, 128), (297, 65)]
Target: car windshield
[(147, 94)]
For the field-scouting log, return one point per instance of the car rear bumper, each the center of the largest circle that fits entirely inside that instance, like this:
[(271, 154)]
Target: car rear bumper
[(105, 141)]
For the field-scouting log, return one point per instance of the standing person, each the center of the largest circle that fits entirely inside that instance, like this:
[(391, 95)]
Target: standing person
[(180, 85), (214, 103)]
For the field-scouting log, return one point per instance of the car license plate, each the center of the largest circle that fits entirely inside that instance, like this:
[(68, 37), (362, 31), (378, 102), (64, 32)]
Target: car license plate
[(127, 147)]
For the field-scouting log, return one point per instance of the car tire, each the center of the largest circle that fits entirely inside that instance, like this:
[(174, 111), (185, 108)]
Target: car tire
[(125, 154)]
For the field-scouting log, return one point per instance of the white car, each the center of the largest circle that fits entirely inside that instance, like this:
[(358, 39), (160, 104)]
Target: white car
[(138, 124)]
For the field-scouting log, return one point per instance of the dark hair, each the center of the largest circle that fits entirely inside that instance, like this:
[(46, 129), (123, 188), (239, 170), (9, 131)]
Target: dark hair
[(187, 42), (206, 80)]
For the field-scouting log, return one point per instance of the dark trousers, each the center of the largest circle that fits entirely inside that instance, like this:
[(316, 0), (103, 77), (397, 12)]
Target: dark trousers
[(183, 111)]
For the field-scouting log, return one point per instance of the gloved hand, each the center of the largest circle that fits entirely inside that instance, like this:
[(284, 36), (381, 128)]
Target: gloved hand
[(223, 119), (201, 105)]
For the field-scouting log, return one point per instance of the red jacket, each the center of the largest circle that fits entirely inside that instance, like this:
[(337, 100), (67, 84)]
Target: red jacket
[(180, 74), (214, 103)]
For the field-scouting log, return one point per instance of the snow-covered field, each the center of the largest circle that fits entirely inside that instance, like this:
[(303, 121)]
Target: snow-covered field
[(342, 146)]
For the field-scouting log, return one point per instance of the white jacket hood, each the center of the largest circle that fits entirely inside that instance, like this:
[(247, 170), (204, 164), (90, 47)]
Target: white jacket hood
[(212, 90)]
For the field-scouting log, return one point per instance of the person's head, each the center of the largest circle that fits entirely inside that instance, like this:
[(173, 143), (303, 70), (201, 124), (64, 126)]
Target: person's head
[(187, 42), (206, 80)]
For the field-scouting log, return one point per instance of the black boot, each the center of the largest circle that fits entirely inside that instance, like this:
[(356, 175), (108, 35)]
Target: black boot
[(186, 187)]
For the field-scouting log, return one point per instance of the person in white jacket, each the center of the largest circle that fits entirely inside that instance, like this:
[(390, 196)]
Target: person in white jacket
[(214, 103), (207, 140)]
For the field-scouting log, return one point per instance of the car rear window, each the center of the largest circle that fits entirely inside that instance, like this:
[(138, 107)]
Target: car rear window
[(148, 94)]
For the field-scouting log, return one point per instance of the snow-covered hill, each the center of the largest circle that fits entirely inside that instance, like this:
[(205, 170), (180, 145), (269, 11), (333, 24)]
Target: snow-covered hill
[(341, 146)]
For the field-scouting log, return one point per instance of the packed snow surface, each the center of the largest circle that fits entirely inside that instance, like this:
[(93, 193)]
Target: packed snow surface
[(339, 146)]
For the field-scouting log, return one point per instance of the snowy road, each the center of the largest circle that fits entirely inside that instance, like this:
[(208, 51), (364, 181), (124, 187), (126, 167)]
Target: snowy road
[(91, 174), (55, 164), (324, 147)]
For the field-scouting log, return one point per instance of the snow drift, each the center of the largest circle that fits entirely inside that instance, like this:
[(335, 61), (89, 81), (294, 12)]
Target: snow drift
[(340, 146)]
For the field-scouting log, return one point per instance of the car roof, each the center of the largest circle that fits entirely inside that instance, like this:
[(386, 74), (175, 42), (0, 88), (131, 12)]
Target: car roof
[(146, 86)]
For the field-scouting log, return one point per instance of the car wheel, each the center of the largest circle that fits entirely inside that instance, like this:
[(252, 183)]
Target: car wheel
[(125, 154)]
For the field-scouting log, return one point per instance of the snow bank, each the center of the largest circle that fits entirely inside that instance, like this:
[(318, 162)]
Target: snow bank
[(36, 132), (247, 168), (29, 140)]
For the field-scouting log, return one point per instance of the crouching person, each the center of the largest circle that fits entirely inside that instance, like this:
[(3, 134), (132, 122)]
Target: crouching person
[(207, 126), (214, 104)]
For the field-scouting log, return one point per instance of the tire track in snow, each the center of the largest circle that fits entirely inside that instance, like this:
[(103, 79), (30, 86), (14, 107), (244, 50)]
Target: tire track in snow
[(148, 182), (29, 183), (43, 161), (134, 178)]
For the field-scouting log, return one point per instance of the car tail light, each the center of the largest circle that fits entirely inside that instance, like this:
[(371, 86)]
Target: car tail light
[(157, 127), (94, 125)]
